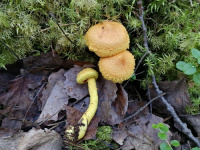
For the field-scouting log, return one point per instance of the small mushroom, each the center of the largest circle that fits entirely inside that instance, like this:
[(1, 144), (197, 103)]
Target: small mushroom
[(107, 38), (76, 133), (117, 68)]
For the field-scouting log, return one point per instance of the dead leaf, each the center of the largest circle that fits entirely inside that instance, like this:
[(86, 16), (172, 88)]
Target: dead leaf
[(134, 106), (17, 100), (52, 80), (119, 135), (35, 139), (121, 102), (73, 89), (11, 142), (142, 136), (55, 103), (12, 70), (41, 140), (113, 102), (194, 121), (45, 62), (73, 116), (176, 94)]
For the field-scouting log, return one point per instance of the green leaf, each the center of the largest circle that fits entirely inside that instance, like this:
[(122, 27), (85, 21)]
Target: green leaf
[(175, 143), (165, 146), (189, 69), (180, 65), (162, 136), (195, 53), (155, 126), (163, 127), (199, 60), (196, 78), (196, 148)]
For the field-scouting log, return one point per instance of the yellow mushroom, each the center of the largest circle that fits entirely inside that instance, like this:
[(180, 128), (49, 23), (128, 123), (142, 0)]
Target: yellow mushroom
[(107, 38), (76, 133), (117, 68)]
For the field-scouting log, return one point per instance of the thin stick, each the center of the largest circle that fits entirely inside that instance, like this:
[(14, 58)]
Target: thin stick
[(61, 25), (33, 101), (183, 126), (169, 107), (141, 59), (54, 18), (191, 3), (50, 116), (10, 50), (142, 108)]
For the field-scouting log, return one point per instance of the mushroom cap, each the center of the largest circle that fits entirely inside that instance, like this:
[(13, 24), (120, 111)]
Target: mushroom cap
[(86, 74), (107, 38), (117, 68)]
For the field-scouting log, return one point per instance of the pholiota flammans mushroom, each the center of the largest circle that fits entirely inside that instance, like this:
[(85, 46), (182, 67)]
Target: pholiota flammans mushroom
[(75, 133), (117, 68), (110, 41), (107, 38)]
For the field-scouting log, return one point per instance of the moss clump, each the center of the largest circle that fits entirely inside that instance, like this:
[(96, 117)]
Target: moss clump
[(28, 28), (103, 140)]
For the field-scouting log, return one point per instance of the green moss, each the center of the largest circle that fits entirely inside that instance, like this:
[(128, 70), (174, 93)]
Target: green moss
[(103, 140), (28, 29)]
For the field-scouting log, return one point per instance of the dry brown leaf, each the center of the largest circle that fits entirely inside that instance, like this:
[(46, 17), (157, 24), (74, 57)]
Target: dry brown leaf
[(119, 135), (176, 94), (121, 102), (34, 139), (52, 80), (11, 142), (55, 103), (40, 140), (142, 136), (194, 121), (73, 89), (113, 102), (17, 100), (134, 106)]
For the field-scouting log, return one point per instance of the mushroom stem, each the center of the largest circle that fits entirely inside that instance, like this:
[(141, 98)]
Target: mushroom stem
[(89, 75)]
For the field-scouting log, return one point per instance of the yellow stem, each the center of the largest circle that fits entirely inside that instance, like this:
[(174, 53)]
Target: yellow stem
[(88, 115), (90, 112)]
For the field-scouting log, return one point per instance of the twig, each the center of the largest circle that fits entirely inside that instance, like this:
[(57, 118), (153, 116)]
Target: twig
[(39, 123), (33, 101), (169, 107), (141, 59), (141, 17), (61, 25), (142, 108), (54, 18), (149, 96), (191, 3), (12, 51), (184, 129)]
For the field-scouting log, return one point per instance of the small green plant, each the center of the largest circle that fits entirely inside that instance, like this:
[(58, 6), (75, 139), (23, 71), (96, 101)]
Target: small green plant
[(195, 148), (162, 134), (191, 69), (103, 140)]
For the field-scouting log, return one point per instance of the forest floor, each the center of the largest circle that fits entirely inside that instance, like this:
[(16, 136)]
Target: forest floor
[(40, 97)]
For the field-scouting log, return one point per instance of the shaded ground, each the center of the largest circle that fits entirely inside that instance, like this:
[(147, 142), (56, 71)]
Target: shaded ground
[(40, 97)]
